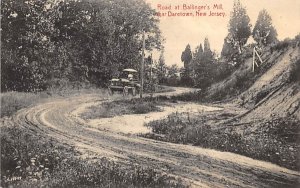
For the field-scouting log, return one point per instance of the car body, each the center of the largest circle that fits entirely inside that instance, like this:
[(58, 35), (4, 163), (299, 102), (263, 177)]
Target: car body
[(127, 83)]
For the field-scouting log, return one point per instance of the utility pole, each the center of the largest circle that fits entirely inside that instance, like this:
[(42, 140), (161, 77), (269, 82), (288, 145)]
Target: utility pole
[(142, 66), (151, 80)]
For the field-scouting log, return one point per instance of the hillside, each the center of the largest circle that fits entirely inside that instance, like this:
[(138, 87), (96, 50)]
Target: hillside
[(272, 95), (266, 92), (260, 117)]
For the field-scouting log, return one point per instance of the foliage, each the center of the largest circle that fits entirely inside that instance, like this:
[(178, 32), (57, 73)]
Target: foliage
[(14, 101), (261, 95), (82, 41), (186, 58), (206, 68), (228, 50), (198, 52), (208, 55), (173, 75), (121, 107), (297, 38), (264, 32), (294, 72), (161, 68), (25, 45), (282, 45), (274, 140), (31, 160), (239, 26), (11, 102)]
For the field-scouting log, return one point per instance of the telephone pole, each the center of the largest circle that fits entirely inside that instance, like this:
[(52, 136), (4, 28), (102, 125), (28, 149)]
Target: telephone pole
[(142, 66)]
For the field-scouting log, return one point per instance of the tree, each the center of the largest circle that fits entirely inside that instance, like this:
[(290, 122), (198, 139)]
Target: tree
[(198, 53), (239, 26), (172, 70), (25, 45), (228, 50), (207, 56), (173, 75), (264, 32), (186, 57), (161, 68), (197, 58), (44, 42), (203, 65), (206, 45)]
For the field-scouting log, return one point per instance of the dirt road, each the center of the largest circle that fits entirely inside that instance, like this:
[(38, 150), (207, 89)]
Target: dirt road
[(198, 166)]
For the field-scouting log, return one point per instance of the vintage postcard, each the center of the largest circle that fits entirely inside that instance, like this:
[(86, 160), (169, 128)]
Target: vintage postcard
[(150, 93)]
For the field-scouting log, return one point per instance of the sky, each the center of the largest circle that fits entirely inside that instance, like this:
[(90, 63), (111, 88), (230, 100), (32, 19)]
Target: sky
[(180, 31)]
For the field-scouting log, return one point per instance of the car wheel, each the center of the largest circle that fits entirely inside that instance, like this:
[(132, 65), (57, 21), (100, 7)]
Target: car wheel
[(125, 91), (133, 91), (110, 91)]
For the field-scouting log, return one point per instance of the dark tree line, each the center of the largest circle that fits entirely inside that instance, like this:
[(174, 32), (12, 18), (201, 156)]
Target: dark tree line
[(44, 44), (203, 67)]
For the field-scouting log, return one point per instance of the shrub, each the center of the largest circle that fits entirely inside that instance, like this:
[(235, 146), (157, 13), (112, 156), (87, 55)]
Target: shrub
[(32, 160), (14, 101), (261, 95), (282, 45), (275, 140), (295, 72), (122, 107)]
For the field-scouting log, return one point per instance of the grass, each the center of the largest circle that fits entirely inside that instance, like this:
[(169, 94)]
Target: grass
[(243, 77), (29, 159), (122, 107), (276, 140), (294, 72), (11, 102)]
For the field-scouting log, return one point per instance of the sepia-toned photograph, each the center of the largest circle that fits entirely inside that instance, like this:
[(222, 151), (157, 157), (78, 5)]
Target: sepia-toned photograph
[(150, 93)]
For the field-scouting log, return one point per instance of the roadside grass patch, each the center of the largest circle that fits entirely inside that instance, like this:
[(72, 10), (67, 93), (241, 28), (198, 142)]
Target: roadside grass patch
[(122, 107), (11, 102), (275, 140), (29, 159)]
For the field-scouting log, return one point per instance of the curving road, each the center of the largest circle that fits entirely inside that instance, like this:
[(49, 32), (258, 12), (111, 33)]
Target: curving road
[(197, 166)]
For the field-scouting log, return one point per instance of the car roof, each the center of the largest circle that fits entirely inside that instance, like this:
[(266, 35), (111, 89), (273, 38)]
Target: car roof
[(129, 70)]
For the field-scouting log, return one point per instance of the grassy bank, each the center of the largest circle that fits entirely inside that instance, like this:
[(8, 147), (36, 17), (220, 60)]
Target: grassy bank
[(122, 107), (242, 78), (11, 102), (276, 141), (32, 160)]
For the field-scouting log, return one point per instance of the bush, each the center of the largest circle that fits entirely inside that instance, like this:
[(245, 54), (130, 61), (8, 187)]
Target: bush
[(275, 140), (11, 102), (282, 45), (122, 107), (32, 160), (295, 72), (261, 95)]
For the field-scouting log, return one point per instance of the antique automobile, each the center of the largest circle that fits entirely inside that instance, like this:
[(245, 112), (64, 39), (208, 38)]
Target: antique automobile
[(126, 83)]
